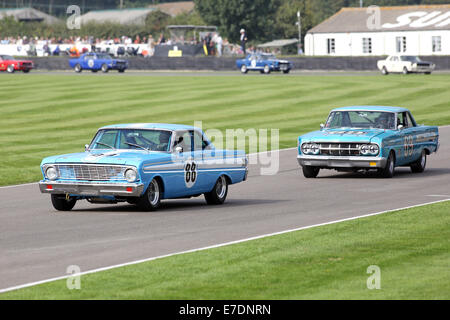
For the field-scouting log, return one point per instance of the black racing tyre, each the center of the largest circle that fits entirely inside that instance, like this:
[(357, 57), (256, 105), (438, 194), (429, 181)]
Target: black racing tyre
[(61, 203), (405, 70), (389, 170), (151, 200), (219, 193), (10, 68), (78, 68), (244, 69), (105, 68), (384, 71), (310, 172), (420, 164), (266, 69)]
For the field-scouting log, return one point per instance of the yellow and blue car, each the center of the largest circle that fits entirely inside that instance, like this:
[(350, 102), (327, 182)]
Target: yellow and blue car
[(367, 138), (143, 164)]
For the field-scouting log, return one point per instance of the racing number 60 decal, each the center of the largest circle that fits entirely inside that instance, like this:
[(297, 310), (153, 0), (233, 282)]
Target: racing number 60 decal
[(190, 173), (409, 145)]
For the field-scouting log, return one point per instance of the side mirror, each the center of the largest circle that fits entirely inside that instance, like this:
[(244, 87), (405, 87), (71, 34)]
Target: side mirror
[(178, 150), (322, 126), (86, 147), (400, 127)]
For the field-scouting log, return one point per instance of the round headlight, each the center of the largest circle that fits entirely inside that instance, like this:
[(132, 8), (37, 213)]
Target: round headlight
[(306, 148), (131, 175), (364, 149), (373, 149), (315, 148), (51, 173)]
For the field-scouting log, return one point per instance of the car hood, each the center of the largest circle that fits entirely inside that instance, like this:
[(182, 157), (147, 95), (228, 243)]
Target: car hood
[(342, 135), (119, 157)]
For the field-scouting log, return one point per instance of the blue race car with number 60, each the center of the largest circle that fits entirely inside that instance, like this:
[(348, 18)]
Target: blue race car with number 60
[(143, 164), (367, 138), (96, 62), (264, 63)]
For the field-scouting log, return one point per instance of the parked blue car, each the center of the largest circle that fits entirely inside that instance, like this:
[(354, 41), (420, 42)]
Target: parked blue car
[(143, 164), (367, 138), (97, 61), (263, 62)]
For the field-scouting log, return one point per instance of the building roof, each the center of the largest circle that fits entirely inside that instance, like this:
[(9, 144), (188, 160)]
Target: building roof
[(371, 108), (28, 15), (175, 8), (122, 16), (401, 18), (278, 43)]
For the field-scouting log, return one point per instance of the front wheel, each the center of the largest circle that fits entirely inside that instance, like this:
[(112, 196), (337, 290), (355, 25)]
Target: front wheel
[(266, 69), (405, 70), (310, 172), (62, 202), (244, 69), (10, 68), (389, 170), (78, 68), (151, 200), (219, 193), (384, 71), (420, 164)]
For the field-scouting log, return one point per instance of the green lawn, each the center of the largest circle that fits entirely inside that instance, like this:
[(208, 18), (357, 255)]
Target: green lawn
[(411, 247), (43, 115)]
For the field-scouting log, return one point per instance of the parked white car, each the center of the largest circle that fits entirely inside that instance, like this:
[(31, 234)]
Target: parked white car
[(405, 65)]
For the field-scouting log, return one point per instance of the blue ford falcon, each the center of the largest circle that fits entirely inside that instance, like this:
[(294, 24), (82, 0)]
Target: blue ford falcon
[(143, 164), (263, 62), (367, 138), (97, 61)]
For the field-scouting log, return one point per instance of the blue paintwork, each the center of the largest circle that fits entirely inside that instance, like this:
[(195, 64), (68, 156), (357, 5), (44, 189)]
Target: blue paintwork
[(257, 62), (94, 61), (406, 143), (168, 166)]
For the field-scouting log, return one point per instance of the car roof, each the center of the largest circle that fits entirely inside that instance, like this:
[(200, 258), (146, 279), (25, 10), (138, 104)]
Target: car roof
[(163, 126), (371, 108)]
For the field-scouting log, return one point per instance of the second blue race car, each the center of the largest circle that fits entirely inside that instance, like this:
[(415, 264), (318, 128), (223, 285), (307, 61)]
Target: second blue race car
[(264, 63), (97, 61)]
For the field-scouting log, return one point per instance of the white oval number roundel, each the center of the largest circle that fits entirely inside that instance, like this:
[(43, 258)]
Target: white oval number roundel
[(190, 173), (91, 63)]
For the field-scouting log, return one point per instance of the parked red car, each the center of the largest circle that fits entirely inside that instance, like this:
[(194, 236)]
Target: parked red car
[(8, 63)]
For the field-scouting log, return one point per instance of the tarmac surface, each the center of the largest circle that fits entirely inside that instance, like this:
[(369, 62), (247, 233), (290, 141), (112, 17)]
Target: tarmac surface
[(38, 243)]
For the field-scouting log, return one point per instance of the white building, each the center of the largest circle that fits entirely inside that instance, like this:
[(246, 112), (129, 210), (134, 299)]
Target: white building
[(376, 31)]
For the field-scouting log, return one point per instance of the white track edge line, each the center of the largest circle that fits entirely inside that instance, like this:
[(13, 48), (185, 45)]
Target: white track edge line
[(214, 246)]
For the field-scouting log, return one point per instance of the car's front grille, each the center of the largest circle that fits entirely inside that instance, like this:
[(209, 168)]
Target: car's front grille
[(90, 172), (426, 65), (340, 149)]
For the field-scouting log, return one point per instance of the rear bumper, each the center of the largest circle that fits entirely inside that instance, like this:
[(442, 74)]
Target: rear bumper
[(342, 162), (92, 188)]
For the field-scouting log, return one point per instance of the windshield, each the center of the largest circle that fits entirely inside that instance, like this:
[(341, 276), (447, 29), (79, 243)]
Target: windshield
[(7, 58), (135, 139), (104, 56), (410, 58), (361, 120), (267, 57)]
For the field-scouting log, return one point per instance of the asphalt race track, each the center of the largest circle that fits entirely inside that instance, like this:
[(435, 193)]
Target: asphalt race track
[(38, 243)]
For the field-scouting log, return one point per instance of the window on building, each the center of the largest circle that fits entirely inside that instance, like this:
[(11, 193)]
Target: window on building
[(367, 45), (331, 48), (436, 43), (401, 44)]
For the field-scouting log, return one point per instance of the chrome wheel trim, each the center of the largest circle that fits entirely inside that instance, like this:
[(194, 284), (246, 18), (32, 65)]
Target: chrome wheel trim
[(391, 165), (423, 160), (221, 187), (153, 194), (244, 68)]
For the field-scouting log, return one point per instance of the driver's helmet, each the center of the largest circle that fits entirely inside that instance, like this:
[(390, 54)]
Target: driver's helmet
[(384, 120)]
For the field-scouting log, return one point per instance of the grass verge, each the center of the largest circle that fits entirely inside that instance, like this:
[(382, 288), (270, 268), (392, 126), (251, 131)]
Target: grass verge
[(411, 247)]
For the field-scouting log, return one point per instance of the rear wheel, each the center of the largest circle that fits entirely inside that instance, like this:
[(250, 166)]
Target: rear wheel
[(219, 193), (62, 203), (78, 68), (10, 68), (389, 170), (384, 71), (420, 164), (105, 68), (266, 69), (244, 69), (405, 70), (151, 200), (310, 172)]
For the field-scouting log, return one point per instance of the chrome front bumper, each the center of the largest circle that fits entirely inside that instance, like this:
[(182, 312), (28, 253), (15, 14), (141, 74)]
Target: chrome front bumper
[(92, 188), (342, 161)]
